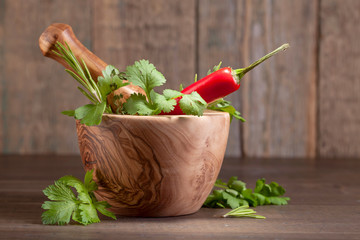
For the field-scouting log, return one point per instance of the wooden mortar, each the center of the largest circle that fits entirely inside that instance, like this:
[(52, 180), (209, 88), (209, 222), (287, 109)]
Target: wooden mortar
[(155, 166)]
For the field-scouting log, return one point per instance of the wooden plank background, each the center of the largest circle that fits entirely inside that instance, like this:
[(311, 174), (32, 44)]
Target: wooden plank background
[(304, 102)]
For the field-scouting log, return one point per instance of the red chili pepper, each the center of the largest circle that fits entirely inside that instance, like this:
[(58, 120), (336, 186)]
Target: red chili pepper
[(221, 82)]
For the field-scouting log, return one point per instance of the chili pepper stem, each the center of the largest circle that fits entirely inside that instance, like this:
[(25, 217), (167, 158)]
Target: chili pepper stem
[(239, 73)]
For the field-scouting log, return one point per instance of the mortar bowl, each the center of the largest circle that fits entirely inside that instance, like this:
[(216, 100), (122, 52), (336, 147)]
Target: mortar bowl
[(154, 166)]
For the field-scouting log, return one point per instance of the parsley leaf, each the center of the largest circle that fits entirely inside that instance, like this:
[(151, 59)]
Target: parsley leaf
[(234, 194), (225, 106), (111, 80), (90, 114), (137, 104), (145, 75), (65, 205), (192, 104)]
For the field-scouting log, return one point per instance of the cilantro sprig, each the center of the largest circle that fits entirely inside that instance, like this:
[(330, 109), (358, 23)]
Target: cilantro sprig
[(144, 74), (234, 194), (65, 205)]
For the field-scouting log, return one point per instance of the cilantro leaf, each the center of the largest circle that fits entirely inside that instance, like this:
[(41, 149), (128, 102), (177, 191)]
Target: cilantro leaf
[(88, 213), (57, 212), (225, 106), (145, 75), (65, 205), (111, 80), (59, 192), (102, 207), (137, 104), (234, 194), (90, 114), (172, 94), (192, 104), (163, 103)]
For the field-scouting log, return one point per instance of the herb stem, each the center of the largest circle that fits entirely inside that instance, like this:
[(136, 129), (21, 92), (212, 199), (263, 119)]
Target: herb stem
[(220, 186)]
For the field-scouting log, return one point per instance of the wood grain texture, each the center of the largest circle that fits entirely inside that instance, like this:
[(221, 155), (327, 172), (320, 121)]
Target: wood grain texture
[(323, 203), (159, 30), (36, 89), (155, 165), (220, 38), (279, 97), (339, 82)]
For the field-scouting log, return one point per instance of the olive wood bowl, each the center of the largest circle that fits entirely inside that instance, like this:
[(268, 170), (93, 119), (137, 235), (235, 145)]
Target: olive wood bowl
[(154, 166)]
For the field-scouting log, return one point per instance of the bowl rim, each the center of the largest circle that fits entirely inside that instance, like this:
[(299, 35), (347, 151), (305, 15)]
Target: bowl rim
[(206, 114)]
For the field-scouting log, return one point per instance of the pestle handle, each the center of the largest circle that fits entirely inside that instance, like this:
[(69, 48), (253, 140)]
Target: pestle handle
[(60, 32), (64, 33)]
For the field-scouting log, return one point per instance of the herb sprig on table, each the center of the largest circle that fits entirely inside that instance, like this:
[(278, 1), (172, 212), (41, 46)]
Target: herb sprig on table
[(65, 205), (234, 194)]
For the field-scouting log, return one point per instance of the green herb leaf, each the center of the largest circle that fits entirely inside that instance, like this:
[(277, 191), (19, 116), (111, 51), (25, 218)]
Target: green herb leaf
[(234, 194), (70, 113), (137, 104), (172, 94), (225, 106), (57, 212), (192, 104), (111, 80), (65, 205), (102, 207), (163, 103), (145, 75), (90, 114)]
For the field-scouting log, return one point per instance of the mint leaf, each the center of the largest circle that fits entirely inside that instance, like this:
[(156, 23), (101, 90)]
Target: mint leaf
[(192, 104), (90, 114)]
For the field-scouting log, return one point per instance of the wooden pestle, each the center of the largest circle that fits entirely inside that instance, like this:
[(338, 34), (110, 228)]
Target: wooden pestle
[(60, 32)]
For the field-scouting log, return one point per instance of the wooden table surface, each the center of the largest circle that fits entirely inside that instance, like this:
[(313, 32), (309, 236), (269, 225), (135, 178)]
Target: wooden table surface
[(325, 203)]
